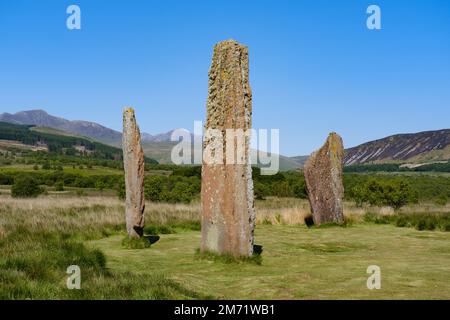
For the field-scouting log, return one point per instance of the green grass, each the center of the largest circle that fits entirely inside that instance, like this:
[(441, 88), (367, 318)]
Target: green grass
[(33, 266), (419, 221), (301, 263), (135, 243), (40, 238), (227, 258), (171, 226)]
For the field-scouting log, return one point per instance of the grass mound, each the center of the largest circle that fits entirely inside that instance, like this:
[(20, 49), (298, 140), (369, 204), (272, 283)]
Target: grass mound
[(136, 243), (227, 258)]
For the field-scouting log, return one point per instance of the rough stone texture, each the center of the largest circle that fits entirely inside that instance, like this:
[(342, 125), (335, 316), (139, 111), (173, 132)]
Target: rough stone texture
[(228, 215), (323, 175), (133, 160)]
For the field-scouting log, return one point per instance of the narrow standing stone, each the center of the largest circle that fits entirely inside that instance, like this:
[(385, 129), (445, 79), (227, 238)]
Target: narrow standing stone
[(228, 215), (323, 175), (133, 163)]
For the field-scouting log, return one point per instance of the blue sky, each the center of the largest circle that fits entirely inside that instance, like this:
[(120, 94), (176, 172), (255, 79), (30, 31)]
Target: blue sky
[(314, 65)]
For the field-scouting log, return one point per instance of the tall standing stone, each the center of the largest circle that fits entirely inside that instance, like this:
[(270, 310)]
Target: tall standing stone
[(133, 162), (228, 215), (323, 175)]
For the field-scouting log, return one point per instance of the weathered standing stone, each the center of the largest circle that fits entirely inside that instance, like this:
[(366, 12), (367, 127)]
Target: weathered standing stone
[(323, 175), (228, 215), (133, 161)]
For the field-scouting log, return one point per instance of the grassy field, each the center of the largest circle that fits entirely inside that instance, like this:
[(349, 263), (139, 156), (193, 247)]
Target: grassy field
[(302, 263), (40, 238)]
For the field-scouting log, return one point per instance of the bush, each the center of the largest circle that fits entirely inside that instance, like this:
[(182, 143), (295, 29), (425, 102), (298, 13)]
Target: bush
[(26, 187), (260, 191), (395, 193), (154, 187), (59, 186), (171, 189), (100, 185), (46, 166), (120, 191)]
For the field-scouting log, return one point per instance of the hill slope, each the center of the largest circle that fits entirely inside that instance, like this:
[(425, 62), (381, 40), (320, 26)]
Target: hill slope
[(40, 118), (422, 146), (157, 146), (54, 141)]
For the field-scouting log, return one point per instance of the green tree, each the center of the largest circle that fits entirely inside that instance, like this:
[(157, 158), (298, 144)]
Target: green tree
[(154, 187), (394, 193), (26, 187)]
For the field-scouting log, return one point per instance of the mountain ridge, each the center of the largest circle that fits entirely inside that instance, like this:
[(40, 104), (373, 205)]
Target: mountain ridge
[(41, 118), (425, 146), (401, 148)]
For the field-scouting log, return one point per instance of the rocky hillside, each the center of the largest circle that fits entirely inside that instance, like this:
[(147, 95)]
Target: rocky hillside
[(413, 147)]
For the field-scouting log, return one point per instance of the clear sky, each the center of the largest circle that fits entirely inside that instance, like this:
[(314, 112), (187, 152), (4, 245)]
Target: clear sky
[(314, 65)]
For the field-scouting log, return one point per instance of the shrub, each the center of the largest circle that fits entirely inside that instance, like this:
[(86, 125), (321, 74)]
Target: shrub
[(6, 179), (171, 189), (59, 186), (395, 193), (46, 166), (26, 187), (121, 193), (153, 187), (100, 185), (260, 191)]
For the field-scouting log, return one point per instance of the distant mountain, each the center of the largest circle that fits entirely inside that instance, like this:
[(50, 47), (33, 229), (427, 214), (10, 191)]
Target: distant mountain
[(424, 146), (157, 146), (13, 135), (85, 128), (421, 147), (93, 130), (300, 160)]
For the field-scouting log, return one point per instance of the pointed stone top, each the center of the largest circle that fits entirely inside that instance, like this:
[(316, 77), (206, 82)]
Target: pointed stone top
[(228, 43), (334, 137), (128, 110)]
